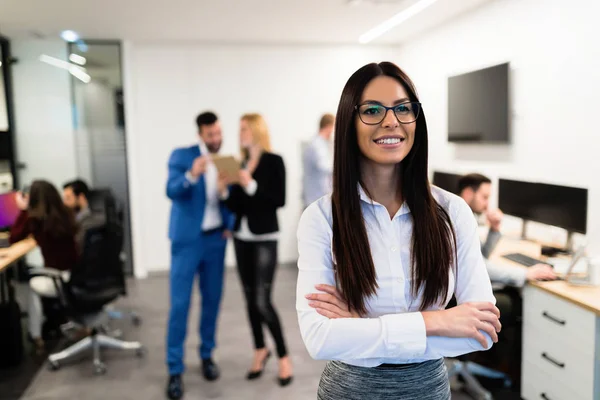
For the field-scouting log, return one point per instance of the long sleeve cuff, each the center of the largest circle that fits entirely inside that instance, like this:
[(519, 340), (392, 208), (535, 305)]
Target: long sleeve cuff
[(224, 195), (405, 334), (251, 188), (190, 178)]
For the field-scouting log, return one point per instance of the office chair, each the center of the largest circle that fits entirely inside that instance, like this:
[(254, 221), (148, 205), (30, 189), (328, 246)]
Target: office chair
[(103, 202), (94, 283)]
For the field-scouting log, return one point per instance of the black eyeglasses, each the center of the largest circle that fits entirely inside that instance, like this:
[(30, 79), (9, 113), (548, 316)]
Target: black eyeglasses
[(374, 114)]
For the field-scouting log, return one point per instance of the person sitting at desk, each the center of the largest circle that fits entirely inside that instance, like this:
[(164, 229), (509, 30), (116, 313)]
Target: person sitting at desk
[(45, 217), (475, 190), (75, 196)]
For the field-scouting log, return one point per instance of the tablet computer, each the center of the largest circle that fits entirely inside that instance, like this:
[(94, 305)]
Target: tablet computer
[(227, 165)]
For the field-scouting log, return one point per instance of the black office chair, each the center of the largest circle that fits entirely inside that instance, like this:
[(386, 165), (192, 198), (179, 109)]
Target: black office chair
[(468, 370), (102, 201), (94, 283)]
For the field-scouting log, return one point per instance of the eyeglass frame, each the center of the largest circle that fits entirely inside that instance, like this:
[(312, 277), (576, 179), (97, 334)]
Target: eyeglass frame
[(386, 111)]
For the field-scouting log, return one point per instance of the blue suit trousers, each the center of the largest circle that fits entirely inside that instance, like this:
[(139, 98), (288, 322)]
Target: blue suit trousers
[(204, 258)]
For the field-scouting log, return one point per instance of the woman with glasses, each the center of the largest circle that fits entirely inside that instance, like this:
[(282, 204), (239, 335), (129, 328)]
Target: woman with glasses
[(255, 200), (381, 257)]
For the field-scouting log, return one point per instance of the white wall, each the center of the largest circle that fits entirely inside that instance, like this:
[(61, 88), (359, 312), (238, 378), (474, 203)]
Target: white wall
[(43, 120), (553, 49), (166, 86)]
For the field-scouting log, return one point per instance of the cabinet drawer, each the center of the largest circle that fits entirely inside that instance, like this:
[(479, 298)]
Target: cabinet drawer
[(559, 319), (536, 385), (559, 363)]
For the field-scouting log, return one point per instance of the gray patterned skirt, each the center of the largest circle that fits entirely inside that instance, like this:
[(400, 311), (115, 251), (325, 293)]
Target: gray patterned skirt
[(427, 380)]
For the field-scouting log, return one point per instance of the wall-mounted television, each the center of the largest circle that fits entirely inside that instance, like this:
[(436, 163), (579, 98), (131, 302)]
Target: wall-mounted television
[(478, 106)]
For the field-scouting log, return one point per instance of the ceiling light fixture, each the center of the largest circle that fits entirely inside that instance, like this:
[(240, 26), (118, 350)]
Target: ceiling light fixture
[(74, 70), (77, 59), (395, 21), (69, 36)]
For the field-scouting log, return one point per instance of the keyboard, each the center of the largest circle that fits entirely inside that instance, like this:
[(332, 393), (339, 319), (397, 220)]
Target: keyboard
[(523, 259)]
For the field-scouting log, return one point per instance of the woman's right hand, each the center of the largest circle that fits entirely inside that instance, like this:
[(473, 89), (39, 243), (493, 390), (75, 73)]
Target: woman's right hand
[(222, 184), (467, 320)]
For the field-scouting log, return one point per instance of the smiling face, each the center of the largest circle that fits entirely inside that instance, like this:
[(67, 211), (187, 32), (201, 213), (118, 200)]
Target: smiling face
[(387, 142)]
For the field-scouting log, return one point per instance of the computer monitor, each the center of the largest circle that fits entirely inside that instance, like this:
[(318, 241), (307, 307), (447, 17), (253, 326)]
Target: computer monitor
[(446, 181), (561, 206), (9, 211)]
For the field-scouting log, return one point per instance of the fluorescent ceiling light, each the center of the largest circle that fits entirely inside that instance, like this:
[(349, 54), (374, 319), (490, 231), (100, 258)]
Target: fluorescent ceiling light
[(77, 59), (74, 70), (69, 36), (395, 21), (80, 74)]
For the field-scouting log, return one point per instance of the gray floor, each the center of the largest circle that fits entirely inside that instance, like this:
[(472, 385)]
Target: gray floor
[(131, 378)]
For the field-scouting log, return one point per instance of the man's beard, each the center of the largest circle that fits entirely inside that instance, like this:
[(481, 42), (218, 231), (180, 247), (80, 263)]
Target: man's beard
[(213, 147)]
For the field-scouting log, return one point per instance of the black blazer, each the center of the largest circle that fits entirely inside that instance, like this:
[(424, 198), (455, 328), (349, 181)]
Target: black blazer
[(260, 209)]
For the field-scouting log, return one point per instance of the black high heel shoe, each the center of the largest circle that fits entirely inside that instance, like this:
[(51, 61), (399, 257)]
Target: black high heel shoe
[(285, 381), (256, 374)]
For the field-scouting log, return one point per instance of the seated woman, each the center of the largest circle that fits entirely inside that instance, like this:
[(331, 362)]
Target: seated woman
[(52, 225)]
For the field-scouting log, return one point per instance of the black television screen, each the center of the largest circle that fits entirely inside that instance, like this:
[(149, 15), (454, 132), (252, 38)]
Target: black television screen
[(562, 206), (478, 109)]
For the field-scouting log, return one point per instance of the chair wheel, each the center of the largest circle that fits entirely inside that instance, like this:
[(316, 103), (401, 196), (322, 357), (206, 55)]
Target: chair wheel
[(141, 352), (99, 369), (53, 366)]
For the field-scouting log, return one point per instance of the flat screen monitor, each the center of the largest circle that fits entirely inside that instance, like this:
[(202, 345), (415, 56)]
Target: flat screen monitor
[(9, 211), (446, 181), (561, 206), (478, 107)]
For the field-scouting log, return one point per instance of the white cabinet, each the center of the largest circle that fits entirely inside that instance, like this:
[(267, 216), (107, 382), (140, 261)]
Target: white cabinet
[(560, 359)]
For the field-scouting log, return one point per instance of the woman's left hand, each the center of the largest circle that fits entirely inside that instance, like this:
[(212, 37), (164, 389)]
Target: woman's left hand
[(330, 303)]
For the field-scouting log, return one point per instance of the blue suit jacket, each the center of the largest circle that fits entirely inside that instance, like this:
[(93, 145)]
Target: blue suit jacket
[(188, 200)]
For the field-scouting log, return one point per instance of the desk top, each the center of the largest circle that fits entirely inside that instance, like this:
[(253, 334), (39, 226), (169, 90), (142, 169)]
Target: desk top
[(13, 253), (587, 297)]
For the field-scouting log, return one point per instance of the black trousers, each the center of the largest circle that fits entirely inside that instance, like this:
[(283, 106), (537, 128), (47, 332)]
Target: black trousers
[(256, 263)]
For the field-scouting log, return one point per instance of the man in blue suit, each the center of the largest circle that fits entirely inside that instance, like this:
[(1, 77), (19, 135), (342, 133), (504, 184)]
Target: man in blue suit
[(198, 229)]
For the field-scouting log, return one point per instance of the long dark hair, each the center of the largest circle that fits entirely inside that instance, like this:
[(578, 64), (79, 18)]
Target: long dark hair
[(433, 238), (47, 212)]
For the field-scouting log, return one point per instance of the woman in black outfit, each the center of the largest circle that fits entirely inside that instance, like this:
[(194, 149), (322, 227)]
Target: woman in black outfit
[(255, 200)]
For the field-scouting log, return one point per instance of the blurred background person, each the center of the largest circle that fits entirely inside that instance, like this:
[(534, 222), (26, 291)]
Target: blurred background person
[(198, 233), (76, 196), (52, 225), (318, 162), (255, 200), (475, 189)]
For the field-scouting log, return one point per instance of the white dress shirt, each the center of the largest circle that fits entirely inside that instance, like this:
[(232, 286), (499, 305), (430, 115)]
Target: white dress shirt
[(318, 167), (394, 330), (212, 212)]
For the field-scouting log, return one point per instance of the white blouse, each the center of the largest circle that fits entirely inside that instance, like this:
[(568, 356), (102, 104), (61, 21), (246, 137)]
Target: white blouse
[(394, 331)]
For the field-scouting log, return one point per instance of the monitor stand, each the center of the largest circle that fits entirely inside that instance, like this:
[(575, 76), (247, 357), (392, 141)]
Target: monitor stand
[(524, 230)]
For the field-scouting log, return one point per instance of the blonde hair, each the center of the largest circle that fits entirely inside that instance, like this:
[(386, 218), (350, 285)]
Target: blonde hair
[(260, 132)]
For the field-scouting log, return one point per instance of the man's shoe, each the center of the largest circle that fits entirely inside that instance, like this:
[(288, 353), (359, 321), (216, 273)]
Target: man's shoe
[(175, 387), (210, 370)]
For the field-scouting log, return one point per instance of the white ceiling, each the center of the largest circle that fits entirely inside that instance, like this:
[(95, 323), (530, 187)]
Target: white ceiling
[(223, 21)]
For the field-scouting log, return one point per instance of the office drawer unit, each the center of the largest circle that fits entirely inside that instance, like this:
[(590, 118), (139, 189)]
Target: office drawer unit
[(560, 355), (539, 387)]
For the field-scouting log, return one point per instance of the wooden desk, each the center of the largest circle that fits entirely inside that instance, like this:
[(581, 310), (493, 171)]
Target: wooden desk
[(561, 333), (15, 252)]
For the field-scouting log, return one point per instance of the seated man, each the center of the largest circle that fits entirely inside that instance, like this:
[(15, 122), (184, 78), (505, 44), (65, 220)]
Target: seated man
[(75, 196), (475, 190)]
